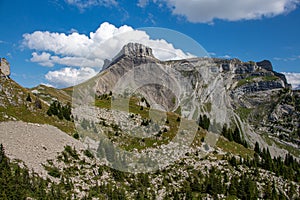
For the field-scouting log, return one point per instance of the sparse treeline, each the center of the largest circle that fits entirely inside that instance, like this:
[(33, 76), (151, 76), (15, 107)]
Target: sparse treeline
[(204, 122), (61, 111), (288, 167), (231, 135), (234, 135), (18, 183), (216, 184)]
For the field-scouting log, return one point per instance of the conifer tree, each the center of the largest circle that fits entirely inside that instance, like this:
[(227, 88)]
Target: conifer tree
[(256, 148), (28, 98)]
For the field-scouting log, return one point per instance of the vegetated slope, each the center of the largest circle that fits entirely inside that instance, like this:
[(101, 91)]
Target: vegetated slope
[(19, 104), (80, 175), (50, 94), (18, 182)]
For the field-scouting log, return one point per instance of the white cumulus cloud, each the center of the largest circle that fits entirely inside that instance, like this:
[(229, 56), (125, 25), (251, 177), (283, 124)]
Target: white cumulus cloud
[(293, 78), (206, 11), (90, 51), (69, 76), (43, 59)]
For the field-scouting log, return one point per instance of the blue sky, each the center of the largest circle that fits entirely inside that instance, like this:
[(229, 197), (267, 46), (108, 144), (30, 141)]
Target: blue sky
[(59, 41)]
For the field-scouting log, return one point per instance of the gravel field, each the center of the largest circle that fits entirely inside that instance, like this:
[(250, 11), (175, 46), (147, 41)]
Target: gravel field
[(34, 144)]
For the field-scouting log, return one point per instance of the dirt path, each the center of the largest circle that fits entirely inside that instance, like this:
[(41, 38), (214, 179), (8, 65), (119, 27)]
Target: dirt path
[(34, 143)]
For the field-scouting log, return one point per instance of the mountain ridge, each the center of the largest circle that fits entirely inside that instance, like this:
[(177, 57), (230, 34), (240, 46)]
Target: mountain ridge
[(238, 81)]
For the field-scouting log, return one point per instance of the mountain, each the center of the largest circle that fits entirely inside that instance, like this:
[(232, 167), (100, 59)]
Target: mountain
[(249, 95), (200, 128)]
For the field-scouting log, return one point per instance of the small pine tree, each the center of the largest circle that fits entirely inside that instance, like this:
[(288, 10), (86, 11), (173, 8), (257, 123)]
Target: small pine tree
[(274, 192), (230, 137), (233, 161), (60, 115), (49, 113), (2, 153), (76, 135), (28, 98), (268, 191), (204, 122), (256, 148), (237, 136), (233, 186), (66, 111), (224, 131)]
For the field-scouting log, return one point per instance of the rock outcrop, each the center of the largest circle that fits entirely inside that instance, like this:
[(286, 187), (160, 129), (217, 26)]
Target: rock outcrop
[(4, 67), (265, 64)]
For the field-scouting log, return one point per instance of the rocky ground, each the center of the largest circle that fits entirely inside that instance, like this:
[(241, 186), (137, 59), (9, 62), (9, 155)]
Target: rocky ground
[(34, 144)]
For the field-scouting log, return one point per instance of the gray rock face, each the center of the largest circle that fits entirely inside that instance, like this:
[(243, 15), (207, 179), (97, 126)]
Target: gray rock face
[(4, 67), (262, 86), (245, 68)]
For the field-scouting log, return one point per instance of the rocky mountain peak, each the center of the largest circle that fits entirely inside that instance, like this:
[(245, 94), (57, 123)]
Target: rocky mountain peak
[(136, 50), (131, 50)]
